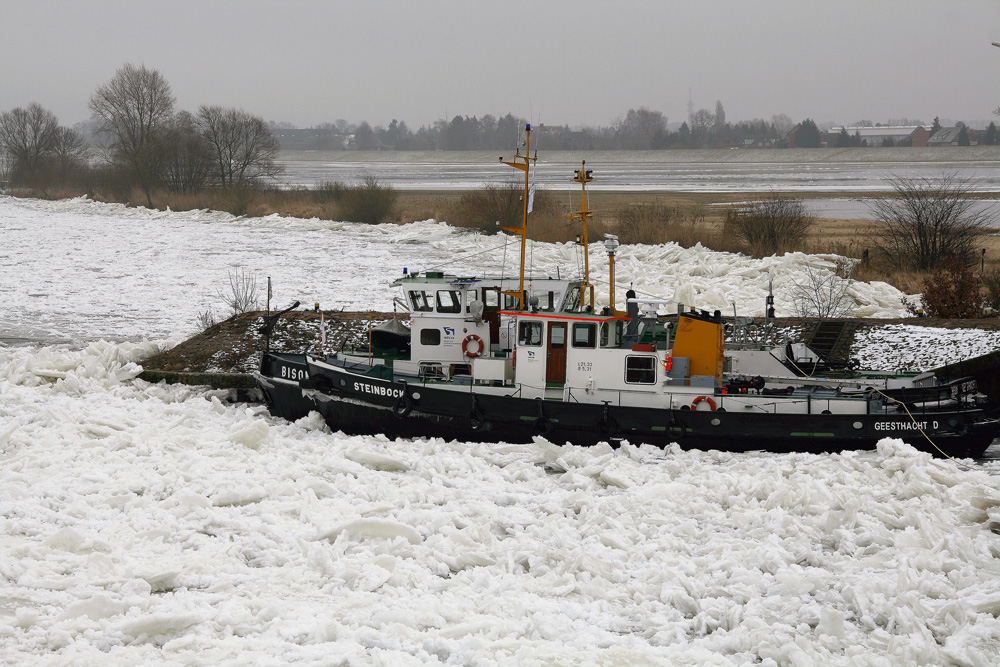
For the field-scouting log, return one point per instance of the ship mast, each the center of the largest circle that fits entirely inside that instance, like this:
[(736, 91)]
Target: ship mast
[(522, 231), (582, 176)]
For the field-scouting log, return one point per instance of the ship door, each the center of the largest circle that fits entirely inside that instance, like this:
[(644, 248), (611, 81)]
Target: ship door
[(555, 366), (491, 311)]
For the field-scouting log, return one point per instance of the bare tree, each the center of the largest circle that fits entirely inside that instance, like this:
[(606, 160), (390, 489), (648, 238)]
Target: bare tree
[(242, 147), (702, 122), (187, 159), (925, 222), (824, 293), (68, 151), (782, 124), (135, 108), (28, 136), (641, 128)]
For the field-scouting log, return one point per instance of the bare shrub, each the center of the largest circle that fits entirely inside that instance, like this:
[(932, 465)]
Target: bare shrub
[(659, 223), (923, 222), (952, 291), (991, 290), (824, 293), (649, 223), (768, 226), (244, 294), (496, 203), (328, 192), (238, 199), (206, 319), (369, 201)]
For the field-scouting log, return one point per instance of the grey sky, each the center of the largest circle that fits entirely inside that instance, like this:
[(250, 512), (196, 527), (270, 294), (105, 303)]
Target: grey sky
[(584, 62)]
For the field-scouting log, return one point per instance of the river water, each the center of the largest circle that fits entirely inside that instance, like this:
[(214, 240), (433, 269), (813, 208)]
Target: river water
[(796, 170)]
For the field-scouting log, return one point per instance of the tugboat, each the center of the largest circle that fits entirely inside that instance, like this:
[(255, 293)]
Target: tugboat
[(493, 359)]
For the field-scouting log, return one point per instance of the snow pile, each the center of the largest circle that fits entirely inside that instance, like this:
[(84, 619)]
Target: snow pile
[(153, 523), (908, 347), (87, 270)]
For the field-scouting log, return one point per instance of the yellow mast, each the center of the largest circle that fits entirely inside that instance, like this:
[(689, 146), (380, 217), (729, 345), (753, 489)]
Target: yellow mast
[(582, 176), (522, 231)]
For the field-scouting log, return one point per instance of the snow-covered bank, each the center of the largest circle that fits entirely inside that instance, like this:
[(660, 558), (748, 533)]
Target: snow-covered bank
[(79, 269), (151, 524)]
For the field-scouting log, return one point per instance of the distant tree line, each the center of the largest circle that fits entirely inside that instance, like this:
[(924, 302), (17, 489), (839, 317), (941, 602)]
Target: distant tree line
[(638, 129), (141, 143)]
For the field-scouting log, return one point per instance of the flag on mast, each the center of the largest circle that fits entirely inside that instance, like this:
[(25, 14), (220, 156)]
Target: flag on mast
[(531, 191)]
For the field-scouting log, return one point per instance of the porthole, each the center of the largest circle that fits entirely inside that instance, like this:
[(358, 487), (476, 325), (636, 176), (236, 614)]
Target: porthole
[(858, 425), (716, 422)]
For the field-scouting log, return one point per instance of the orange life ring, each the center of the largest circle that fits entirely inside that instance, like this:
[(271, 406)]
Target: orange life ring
[(695, 402), (479, 345)]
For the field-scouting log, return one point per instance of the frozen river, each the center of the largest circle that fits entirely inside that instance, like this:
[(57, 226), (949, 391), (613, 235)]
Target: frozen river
[(149, 524), (792, 170)]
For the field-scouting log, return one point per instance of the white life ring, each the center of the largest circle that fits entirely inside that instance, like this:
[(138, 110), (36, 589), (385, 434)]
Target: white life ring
[(479, 346)]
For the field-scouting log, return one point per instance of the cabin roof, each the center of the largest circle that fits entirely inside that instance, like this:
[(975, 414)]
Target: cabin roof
[(585, 317), (443, 279)]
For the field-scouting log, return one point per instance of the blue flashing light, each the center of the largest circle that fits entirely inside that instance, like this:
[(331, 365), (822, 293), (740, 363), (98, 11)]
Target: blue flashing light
[(405, 271), (527, 126)]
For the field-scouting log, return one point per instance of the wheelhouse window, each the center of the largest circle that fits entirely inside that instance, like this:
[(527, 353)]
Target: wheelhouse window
[(430, 336), (449, 301), (640, 370), (584, 335), (421, 301), (572, 301), (529, 333), (611, 333)]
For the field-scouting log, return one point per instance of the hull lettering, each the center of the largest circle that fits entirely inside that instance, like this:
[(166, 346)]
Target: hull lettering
[(377, 390), (904, 426)]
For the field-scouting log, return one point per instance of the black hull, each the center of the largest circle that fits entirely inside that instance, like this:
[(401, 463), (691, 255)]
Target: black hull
[(363, 405)]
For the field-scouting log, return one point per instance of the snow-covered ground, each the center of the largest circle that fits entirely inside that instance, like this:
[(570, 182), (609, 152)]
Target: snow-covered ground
[(155, 524)]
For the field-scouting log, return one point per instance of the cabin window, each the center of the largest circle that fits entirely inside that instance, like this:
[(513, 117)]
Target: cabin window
[(557, 336), (491, 298), (640, 370), (430, 371), (584, 335), (430, 336), (420, 300), (449, 301), (529, 333), (611, 333)]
